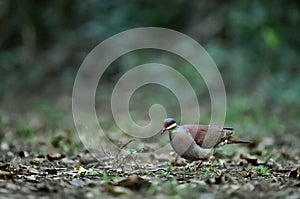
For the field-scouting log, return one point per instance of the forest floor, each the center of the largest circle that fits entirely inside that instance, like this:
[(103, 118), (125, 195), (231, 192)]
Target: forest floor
[(264, 169)]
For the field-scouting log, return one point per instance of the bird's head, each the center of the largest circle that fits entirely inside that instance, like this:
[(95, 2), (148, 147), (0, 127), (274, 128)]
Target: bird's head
[(169, 124)]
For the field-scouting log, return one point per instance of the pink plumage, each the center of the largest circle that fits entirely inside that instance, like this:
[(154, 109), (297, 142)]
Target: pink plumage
[(192, 141)]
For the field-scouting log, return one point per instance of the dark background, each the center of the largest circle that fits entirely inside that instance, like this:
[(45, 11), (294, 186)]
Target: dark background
[(255, 44)]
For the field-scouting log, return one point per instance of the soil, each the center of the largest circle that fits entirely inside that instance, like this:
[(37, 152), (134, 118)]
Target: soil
[(261, 170)]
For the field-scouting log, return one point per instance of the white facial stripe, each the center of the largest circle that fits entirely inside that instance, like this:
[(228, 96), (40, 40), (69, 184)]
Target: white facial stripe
[(171, 126)]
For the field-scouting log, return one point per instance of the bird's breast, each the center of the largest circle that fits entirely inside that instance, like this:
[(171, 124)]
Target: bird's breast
[(185, 146)]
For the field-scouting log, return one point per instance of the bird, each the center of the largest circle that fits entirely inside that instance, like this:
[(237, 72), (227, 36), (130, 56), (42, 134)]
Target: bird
[(192, 141)]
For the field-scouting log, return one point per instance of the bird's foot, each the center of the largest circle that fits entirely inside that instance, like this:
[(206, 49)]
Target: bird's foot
[(176, 159), (178, 162)]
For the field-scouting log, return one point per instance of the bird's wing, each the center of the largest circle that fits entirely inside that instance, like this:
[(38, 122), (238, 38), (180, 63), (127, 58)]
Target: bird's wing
[(199, 133)]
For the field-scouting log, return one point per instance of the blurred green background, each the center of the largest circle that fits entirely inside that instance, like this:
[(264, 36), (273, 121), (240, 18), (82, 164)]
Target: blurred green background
[(255, 44)]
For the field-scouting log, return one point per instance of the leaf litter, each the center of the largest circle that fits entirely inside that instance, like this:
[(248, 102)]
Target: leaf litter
[(257, 171)]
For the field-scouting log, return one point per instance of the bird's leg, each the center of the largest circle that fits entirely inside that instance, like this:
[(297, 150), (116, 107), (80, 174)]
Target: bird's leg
[(176, 159), (199, 166)]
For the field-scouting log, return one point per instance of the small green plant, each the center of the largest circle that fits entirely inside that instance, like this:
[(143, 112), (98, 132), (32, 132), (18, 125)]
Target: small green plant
[(163, 175), (96, 193), (169, 167), (26, 132), (91, 172), (146, 172), (206, 171), (152, 189), (105, 178), (38, 151), (133, 151), (173, 187), (262, 171)]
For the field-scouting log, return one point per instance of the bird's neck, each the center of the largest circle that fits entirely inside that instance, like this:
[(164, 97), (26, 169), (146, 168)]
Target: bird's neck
[(172, 132)]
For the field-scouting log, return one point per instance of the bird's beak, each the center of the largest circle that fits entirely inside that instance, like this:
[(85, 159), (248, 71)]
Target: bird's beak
[(163, 130)]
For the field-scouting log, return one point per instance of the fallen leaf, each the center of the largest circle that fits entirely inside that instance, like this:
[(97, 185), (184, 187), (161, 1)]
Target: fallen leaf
[(33, 170), (55, 156), (295, 173), (253, 160), (37, 160), (77, 182), (6, 175), (31, 178), (116, 190), (23, 154), (15, 163), (134, 182), (80, 169)]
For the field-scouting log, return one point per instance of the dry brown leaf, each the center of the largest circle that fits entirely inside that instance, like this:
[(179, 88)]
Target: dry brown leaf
[(55, 156), (116, 190), (134, 182), (295, 173), (37, 160)]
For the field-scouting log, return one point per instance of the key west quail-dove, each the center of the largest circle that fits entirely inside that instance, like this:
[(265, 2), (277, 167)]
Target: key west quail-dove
[(192, 142)]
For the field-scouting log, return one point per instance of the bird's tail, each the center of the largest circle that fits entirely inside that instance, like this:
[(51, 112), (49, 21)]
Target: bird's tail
[(230, 140), (227, 138), (227, 135), (233, 140)]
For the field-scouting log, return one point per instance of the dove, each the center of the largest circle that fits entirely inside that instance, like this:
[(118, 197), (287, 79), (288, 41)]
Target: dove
[(193, 142)]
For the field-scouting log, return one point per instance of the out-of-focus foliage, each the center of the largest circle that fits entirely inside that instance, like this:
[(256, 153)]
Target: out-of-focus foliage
[(256, 45), (44, 41)]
